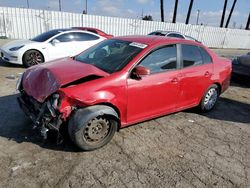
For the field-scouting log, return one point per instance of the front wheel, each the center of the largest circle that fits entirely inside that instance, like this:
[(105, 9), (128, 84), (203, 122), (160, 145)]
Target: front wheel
[(209, 99), (32, 57), (90, 132)]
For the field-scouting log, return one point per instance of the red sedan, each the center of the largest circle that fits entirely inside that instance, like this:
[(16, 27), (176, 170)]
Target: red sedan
[(96, 31), (119, 82)]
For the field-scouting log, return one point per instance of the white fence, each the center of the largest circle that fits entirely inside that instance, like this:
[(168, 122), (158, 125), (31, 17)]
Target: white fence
[(20, 23)]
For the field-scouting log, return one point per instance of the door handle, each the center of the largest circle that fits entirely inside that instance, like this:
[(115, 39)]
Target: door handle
[(174, 80), (207, 74)]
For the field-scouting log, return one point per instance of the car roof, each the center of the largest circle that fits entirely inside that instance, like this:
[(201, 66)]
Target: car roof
[(166, 32), (153, 39)]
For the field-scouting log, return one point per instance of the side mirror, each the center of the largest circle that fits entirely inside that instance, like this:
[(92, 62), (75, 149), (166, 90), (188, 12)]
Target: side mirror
[(140, 71), (54, 42)]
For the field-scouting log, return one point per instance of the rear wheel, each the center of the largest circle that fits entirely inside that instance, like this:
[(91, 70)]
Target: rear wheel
[(32, 57), (209, 99)]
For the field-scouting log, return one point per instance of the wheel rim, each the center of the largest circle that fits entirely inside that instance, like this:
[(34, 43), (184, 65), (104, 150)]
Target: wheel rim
[(34, 58), (96, 130), (210, 98)]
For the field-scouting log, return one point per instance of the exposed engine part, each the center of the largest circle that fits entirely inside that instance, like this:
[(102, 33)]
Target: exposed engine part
[(45, 116), (44, 132)]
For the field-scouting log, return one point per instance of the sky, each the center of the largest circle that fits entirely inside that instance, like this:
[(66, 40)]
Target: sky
[(210, 10)]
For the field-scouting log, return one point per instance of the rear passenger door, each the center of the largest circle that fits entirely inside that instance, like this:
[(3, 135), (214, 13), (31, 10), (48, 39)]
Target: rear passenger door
[(196, 71)]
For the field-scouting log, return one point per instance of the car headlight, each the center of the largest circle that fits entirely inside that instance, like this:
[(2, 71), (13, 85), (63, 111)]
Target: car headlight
[(16, 48), (19, 82)]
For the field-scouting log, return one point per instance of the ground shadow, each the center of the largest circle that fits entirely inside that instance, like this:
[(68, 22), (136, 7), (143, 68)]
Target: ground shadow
[(230, 110), (14, 125), (6, 64)]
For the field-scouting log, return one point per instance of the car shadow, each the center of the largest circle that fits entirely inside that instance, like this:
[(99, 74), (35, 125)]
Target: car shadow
[(6, 64), (14, 125), (230, 110)]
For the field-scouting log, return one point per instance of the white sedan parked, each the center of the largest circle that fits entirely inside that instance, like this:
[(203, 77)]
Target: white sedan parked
[(54, 44)]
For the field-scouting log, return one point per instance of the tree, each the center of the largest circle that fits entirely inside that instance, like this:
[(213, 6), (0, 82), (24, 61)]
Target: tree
[(148, 18), (162, 10)]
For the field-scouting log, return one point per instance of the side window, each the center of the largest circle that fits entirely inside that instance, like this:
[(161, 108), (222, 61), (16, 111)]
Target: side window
[(67, 37), (161, 59), (84, 37), (205, 56), (191, 55), (175, 35)]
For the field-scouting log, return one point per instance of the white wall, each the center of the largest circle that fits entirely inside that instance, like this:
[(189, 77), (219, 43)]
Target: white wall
[(20, 23)]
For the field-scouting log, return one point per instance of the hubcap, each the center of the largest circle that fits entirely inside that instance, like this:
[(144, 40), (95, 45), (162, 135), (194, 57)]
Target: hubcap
[(210, 98), (34, 58), (96, 130)]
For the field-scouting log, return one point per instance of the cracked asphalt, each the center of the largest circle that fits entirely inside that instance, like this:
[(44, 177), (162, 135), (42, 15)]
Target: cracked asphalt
[(184, 149)]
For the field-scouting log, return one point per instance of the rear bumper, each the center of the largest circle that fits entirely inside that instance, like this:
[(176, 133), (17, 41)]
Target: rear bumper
[(241, 70)]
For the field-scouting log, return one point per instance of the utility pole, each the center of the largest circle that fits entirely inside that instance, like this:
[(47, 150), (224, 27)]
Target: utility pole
[(28, 5), (60, 5), (189, 11), (230, 14), (175, 11), (248, 22), (198, 15), (223, 14), (162, 10)]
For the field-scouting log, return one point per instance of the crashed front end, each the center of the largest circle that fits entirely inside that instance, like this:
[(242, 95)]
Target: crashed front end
[(45, 116), (40, 96)]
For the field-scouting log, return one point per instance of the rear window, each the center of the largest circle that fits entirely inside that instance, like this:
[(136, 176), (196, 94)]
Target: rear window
[(205, 56), (191, 55)]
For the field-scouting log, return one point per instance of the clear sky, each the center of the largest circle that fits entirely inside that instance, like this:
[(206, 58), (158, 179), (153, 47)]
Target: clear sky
[(210, 10)]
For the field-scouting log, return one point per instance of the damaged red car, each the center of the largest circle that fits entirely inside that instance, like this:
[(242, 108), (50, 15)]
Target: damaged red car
[(119, 82)]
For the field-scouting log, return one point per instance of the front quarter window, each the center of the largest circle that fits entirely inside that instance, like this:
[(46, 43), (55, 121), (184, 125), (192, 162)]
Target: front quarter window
[(111, 55)]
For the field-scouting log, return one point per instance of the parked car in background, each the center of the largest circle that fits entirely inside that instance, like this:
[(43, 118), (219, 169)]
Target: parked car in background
[(241, 65), (53, 44), (96, 31), (119, 82), (173, 34)]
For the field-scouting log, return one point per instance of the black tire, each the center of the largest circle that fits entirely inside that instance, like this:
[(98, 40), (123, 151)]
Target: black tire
[(209, 99), (93, 127), (32, 57)]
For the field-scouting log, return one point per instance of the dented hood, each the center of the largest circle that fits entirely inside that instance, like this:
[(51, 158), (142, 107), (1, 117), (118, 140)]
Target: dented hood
[(42, 80)]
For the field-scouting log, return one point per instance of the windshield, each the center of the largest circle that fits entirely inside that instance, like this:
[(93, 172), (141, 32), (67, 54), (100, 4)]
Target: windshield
[(47, 35), (111, 55)]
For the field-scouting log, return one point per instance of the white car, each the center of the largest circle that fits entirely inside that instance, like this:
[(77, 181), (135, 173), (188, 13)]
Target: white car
[(173, 34), (54, 44)]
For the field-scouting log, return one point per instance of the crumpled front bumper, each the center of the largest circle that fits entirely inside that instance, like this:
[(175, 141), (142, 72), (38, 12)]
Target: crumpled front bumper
[(44, 116)]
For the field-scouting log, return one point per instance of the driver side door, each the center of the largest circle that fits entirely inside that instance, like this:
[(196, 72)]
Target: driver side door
[(154, 94), (63, 47)]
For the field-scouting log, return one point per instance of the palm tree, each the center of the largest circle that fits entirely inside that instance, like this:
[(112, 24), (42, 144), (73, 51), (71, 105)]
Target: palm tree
[(223, 14), (189, 11), (230, 14), (162, 10)]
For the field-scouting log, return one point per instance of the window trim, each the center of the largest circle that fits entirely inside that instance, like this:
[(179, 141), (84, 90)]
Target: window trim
[(181, 55), (178, 59)]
